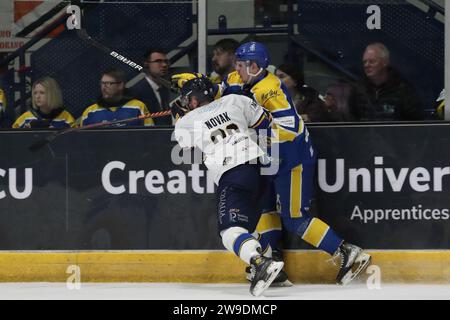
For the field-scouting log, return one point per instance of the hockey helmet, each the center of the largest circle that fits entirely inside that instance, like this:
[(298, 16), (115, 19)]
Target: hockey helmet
[(253, 51), (200, 87)]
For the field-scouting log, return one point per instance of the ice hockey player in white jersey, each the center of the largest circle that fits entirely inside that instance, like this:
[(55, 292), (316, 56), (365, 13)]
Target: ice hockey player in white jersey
[(224, 130)]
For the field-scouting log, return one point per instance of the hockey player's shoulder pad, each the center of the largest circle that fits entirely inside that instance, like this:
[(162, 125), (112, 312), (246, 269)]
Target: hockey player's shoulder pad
[(234, 79)]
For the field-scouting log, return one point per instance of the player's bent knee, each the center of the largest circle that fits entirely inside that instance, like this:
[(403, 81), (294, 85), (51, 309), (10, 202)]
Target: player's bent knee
[(230, 235)]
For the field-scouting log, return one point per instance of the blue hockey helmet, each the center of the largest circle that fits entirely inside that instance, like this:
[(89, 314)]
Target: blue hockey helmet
[(253, 51)]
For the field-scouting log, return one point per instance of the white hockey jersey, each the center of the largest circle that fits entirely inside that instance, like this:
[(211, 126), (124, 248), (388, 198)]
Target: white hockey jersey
[(221, 131)]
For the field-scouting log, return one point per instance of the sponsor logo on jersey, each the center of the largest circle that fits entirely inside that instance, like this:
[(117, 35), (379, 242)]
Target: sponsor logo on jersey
[(269, 95)]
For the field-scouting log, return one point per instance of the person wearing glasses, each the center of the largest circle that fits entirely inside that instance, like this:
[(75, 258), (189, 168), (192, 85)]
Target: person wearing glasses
[(150, 89), (115, 102), (383, 94)]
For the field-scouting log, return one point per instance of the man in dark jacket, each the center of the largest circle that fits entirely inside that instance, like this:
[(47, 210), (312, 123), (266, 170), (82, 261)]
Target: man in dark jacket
[(150, 89), (383, 94)]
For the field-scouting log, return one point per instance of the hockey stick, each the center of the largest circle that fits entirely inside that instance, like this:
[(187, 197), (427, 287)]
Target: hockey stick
[(82, 33), (42, 143)]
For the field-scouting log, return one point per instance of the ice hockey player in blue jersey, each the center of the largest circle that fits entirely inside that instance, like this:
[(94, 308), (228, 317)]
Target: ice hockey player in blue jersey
[(220, 129)]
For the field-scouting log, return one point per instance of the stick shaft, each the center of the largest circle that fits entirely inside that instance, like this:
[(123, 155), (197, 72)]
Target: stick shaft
[(109, 123), (41, 143), (82, 33)]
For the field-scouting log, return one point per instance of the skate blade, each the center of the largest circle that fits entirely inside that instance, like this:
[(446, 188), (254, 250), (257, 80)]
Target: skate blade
[(261, 286), (362, 261), (284, 284)]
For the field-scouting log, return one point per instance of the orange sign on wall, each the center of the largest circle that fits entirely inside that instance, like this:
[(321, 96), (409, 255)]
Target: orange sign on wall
[(15, 15)]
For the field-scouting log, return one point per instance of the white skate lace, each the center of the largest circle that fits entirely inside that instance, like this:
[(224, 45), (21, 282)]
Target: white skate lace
[(252, 271)]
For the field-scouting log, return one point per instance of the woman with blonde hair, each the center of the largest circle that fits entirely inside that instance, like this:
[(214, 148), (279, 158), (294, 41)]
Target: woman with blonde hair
[(47, 110)]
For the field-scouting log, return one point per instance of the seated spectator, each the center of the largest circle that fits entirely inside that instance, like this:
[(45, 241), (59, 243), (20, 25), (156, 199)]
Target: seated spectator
[(440, 109), (383, 94), (307, 100), (223, 59), (47, 109), (339, 102), (2, 105), (115, 102), (150, 90)]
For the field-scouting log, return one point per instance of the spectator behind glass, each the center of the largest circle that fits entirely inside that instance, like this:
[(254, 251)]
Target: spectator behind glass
[(115, 102), (306, 99), (223, 59), (47, 110), (150, 89), (383, 94), (339, 102), (2, 106)]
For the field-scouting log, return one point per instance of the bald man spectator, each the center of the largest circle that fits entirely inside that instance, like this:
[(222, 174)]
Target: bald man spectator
[(383, 94)]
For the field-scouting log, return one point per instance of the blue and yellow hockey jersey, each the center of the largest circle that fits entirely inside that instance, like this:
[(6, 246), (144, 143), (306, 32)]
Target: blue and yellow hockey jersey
[(133, 108), (63, 120), (289, 131), (2, 101)]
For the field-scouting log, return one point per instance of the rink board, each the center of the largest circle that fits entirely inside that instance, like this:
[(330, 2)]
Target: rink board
[(389, 195), (414, 266), (133, 189)]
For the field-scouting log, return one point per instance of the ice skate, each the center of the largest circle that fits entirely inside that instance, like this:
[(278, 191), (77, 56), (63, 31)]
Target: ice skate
[(353, 261), (265, 272), (280, 281)]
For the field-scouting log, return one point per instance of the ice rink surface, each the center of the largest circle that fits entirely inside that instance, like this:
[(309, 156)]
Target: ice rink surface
[(188, 291)]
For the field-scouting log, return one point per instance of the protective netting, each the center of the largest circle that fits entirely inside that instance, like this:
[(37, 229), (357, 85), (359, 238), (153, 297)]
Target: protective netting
[(415, 38), (129, 29)]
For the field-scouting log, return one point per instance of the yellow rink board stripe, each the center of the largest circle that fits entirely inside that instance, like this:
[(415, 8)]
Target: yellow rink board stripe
[(210, 266)]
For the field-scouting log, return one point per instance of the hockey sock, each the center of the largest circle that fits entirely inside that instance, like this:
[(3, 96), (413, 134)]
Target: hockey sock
[(269, 230), (270, 240), (320, 235), (242, 243)]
